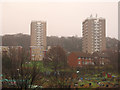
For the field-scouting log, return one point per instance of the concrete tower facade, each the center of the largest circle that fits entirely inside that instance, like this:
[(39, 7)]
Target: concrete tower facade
[(94, 35), (38, 40)]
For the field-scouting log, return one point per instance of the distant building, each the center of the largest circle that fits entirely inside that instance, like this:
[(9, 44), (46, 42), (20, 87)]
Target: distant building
[(11, 51), (6, 49), (49, 47), (79, 59), (101, 58), (94, 35), (38, 40)]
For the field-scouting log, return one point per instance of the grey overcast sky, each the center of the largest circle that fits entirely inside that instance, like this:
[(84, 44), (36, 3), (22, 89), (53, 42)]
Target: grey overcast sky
[(63, 18)]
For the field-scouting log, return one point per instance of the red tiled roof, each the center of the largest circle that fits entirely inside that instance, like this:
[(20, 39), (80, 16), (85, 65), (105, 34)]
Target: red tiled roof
[(81, 54)]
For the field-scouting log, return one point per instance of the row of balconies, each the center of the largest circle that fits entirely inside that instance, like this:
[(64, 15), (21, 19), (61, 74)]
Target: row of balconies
[(39, 30), (39, 41), (37, 51), (85, 58)]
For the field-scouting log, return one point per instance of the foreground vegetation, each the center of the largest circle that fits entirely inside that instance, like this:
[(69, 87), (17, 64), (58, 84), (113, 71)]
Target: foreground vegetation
[(53, 72)]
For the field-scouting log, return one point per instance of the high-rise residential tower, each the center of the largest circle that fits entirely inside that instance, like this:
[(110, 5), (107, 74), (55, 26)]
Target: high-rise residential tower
[(94, 35), (38, 40)]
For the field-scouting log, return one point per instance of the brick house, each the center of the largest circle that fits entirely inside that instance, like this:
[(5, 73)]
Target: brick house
[(79, 59), (101, 58)]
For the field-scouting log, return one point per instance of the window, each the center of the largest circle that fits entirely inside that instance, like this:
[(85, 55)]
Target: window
[(78, 62), (102, 57), (33, 58), (79, 58), (103, 63), (83, 57), (86, 62), (82, 62)]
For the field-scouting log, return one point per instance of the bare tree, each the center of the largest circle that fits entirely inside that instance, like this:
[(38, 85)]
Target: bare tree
[(22, 71), (57, 56)]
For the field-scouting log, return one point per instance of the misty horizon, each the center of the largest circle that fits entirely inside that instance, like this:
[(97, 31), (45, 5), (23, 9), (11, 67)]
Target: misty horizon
[(53, 35), (63, 19)]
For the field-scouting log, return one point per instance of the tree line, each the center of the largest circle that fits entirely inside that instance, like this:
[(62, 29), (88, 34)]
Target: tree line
[(70, 44)]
